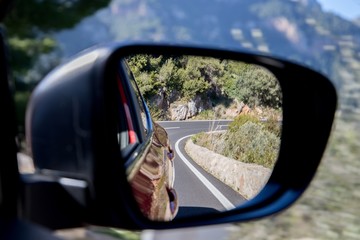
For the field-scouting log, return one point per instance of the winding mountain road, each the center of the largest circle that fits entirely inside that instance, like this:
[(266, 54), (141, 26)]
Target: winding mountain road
[(198, 191)]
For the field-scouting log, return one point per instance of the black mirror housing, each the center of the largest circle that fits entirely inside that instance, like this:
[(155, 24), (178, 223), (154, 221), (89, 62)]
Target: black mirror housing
[(69, 130), (67, 95)]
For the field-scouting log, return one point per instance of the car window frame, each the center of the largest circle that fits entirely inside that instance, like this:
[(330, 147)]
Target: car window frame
[(144, 140)]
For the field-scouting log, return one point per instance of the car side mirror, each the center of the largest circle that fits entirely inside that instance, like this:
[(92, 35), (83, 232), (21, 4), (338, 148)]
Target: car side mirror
[(93, 134)]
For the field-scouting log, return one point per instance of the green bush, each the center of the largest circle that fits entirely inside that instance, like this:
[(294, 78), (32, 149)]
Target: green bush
[(247, 140), (270, 123), (273, 125), (240, 120), (199, 138), (252, 143)]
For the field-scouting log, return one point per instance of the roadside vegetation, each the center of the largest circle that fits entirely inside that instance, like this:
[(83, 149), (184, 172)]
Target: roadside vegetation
[(211, 85), (218, 89), (247, 139)]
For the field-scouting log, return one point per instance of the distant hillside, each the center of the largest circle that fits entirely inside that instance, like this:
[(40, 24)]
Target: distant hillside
[(297, 30)]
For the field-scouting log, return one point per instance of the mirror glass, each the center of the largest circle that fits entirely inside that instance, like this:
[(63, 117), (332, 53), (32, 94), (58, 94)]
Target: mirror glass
[(199, 134)]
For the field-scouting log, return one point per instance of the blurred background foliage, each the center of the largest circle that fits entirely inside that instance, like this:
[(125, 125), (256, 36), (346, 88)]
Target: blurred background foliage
[(43, 33), (30, 29)]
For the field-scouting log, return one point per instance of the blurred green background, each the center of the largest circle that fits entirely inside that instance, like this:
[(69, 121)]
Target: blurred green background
[(42, 34)]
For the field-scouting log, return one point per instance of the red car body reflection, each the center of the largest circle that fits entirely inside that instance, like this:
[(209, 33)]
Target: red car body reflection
[(152, 178)]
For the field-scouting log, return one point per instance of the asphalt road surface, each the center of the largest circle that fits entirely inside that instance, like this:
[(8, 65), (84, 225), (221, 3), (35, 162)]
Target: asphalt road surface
[(198, 191)]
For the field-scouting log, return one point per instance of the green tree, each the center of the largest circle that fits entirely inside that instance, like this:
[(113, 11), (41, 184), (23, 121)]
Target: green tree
[(145, 68), (31, 23), (232, 72), (30, 27), (251, 84)]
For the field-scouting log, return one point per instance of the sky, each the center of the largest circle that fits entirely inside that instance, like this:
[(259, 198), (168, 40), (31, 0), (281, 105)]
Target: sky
[(348, 9)]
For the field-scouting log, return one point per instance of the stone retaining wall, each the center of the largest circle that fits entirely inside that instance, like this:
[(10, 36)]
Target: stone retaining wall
[(247, 179)]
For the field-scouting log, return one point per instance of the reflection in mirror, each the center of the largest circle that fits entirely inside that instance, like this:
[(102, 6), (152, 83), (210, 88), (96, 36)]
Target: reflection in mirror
[(214, 136)]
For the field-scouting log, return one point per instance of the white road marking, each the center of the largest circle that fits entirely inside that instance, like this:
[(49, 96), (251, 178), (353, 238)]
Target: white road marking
[(167, 128), (223, 125), (219, 196)]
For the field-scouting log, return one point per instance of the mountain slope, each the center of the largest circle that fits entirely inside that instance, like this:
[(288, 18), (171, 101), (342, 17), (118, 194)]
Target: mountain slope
[(297, 30)]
